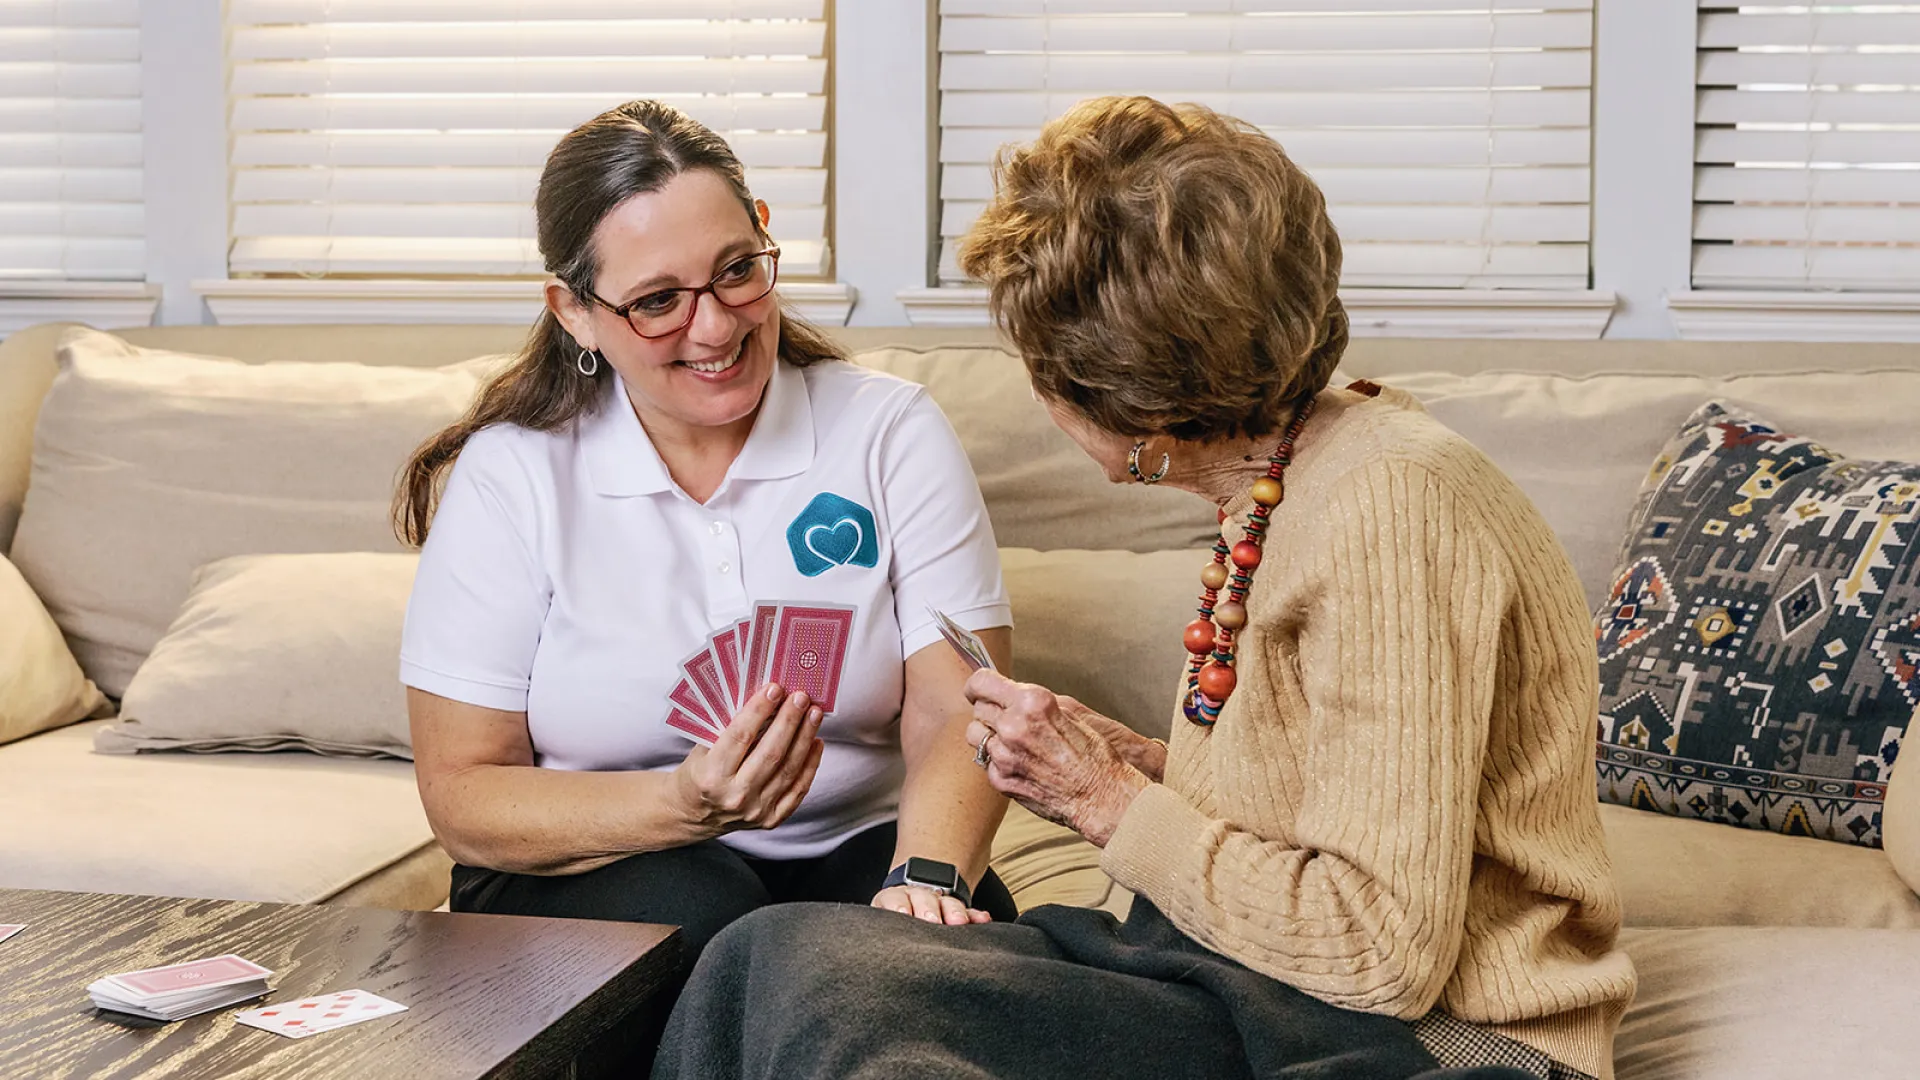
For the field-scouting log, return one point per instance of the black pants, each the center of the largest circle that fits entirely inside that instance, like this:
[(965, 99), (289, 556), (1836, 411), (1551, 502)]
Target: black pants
[(701, 887)]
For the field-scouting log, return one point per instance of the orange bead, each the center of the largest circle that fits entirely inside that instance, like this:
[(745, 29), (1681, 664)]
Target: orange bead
[(1214, 575), (1217, 680), (1199, 637), (1230, 615), (1246, 554), (1267, 491)]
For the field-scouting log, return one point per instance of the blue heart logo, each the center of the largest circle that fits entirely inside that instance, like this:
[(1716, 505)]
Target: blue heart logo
[(833, 531)]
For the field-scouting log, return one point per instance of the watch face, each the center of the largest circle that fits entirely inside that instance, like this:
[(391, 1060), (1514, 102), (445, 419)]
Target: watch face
[(932, 872)]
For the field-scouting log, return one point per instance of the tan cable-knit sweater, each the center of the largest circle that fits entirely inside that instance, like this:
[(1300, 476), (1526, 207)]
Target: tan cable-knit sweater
[(1396, 810)]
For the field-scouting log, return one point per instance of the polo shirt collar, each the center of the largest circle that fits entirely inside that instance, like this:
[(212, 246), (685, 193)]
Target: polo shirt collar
[(621, 460)]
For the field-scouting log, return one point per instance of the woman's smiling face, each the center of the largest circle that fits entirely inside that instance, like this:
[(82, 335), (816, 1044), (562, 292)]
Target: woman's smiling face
[(710, 373)]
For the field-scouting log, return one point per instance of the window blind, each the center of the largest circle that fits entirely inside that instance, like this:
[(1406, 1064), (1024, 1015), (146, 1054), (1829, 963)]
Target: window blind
[(1451, 137), (407, 136), (1807, 147), (70, 195)]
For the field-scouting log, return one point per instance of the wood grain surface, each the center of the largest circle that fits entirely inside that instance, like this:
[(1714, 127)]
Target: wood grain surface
[(487, 995)]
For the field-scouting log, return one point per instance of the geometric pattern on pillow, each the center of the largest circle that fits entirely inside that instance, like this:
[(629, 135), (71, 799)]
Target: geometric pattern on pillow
[(1760, 649)]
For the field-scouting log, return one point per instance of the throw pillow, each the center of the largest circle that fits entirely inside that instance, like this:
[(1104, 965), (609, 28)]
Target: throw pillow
[(41, 687), (148, 464), (1760, 650), (277, 652)]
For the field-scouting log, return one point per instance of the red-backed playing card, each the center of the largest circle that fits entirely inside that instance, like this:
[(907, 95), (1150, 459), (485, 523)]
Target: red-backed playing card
[(760, 645), (810, 649), (726, 659), (703, 671), (679, 720), (688, 699), (196, 975)]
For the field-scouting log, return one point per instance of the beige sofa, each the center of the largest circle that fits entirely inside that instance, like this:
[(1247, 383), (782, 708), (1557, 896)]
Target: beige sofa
[(1760, 955)]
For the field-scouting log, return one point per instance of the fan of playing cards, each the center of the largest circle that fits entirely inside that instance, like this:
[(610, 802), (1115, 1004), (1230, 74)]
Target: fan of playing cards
[(796, 646)]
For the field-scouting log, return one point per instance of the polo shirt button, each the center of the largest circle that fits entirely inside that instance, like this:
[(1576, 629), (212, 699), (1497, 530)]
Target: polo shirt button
[(718, 528), (725, 566)]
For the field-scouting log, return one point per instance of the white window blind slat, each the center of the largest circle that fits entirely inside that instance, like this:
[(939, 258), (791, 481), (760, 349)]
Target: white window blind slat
[(1452, 139), (268, 12), (71, 203), (407, 136), (1807, 146)]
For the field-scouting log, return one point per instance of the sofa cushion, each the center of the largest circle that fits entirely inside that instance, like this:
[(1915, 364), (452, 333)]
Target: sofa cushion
[(278, 652), (1041, 490), (1580, 445), (41, 687), (1677, 872), (289, 828), (148, 464), (1104, 627), (1760, 651), (1770, 1004)]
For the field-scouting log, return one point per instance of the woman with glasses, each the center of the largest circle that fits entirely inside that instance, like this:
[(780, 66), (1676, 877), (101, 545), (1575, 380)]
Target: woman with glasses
[(672, 454)]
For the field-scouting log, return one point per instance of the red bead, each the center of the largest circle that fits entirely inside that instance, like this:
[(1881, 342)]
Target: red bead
[(1246, 554), (1199, 636), (1222, 515), (1216, 681), (1213, 575), (1231, 615)]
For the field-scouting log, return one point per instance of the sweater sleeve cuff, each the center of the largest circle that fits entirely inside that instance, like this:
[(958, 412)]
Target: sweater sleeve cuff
[(1157, 845)]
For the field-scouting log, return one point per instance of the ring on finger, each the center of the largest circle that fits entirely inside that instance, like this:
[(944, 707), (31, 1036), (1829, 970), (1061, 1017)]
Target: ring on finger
[(980, 755)]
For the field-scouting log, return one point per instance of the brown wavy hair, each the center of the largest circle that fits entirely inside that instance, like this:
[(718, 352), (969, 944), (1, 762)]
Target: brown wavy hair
[(626, 151), (1163, 270)]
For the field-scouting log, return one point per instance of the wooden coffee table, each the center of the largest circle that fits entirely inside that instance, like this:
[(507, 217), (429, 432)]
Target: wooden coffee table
[(486, 995)]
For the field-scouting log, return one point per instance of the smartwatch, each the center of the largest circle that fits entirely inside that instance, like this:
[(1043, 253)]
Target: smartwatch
[(932, 874)]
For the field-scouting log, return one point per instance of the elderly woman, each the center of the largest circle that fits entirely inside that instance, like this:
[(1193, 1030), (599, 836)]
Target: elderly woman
[(1371, 846), (672, 454)]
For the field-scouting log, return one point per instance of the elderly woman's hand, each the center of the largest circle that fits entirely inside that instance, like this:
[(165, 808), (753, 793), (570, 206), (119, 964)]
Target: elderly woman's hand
[(1044, 757)]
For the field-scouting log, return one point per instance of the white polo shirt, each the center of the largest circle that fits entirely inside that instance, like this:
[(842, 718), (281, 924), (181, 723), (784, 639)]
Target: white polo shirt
[(566, 576)]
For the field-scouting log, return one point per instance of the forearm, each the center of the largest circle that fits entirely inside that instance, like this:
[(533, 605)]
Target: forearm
[(530, 820), (948, 811)]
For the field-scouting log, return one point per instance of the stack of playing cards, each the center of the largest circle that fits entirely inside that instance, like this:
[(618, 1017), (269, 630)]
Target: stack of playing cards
[(181, 990), (963, 640), (796, 646)]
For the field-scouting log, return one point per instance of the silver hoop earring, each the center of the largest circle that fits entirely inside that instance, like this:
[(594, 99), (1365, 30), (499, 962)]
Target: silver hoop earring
[(1133, 465), (587, 363)]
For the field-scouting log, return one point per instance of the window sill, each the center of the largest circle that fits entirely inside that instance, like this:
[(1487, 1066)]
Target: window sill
[(281, 301), (1421, 313), (1728, 315), (104, 304)]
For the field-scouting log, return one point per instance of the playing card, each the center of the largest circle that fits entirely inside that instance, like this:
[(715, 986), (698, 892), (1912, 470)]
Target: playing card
[(688, 699), (174, 979), (726, 658), (678, 720), (810, 649), (311, 1016), (964, 641), (7, 930), (703, 671), (760, 645), (742, 633)]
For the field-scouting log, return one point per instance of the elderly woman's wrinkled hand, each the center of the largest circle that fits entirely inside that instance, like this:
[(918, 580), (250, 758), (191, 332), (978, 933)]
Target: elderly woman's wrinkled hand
[(1040, 754)]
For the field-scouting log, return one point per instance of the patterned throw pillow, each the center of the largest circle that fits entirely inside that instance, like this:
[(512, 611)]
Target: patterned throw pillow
[(1760, 651)]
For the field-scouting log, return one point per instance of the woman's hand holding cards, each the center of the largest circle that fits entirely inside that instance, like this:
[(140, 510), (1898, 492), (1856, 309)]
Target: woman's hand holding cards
[(758, 770)]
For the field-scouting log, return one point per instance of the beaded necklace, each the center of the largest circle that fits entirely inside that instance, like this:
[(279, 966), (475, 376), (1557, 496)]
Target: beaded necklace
[(1210, 681)]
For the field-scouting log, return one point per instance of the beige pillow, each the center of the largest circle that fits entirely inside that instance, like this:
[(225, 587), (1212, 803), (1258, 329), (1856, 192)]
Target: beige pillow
[(1900, 823), (277, 652), (41, 687), (148, 464), (1041, 490), (1105, 627)]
